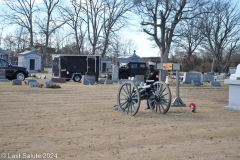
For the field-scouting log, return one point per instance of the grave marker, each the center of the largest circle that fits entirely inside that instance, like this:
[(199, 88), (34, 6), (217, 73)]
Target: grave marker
[(17, 82), (108, 81), (102, 80), (195, 82), (88, 79), (115, 73), (207, 77), (34, 84), (215, 84), (234, 88), (48, 83), (31, 80), (189, 76)]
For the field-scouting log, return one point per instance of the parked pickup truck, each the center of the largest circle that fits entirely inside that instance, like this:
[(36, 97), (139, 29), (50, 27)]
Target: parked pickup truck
[(13, 72)]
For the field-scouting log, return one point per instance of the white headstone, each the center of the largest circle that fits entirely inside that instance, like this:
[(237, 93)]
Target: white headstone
[(115, 73), (237, 74), (88, 79)]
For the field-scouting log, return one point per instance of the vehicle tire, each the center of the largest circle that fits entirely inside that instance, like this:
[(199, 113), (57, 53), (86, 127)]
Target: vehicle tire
[(123, 75), (77, 78), (20, 76)]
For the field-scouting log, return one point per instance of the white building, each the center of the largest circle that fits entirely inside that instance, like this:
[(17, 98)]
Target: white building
[(30, 60)]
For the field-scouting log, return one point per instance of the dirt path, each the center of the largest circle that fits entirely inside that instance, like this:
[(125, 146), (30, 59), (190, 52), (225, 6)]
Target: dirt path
[(77, 122)]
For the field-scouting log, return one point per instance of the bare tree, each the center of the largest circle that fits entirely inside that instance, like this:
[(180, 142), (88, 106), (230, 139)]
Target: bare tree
[(2, 27), (94, 13), (114, 19), (221, 29), (48, 25), (189, 39), (160, 19), (74, 18), (22, 15)]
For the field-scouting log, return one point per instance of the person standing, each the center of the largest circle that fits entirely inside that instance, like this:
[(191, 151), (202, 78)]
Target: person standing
[(151, 74)]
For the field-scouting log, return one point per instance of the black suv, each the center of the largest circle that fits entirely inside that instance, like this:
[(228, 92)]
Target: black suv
[(131, 69), (13, 72)]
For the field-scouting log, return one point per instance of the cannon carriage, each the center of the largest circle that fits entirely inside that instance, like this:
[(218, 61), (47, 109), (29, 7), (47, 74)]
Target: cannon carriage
[(157, 94), (130, 95)]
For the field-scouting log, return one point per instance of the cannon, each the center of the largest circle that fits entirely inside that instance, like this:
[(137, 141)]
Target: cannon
[(157, 94)]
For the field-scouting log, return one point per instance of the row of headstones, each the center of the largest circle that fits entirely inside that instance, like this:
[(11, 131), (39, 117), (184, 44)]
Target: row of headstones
[(32, 83), (90, 80), (195, 79)]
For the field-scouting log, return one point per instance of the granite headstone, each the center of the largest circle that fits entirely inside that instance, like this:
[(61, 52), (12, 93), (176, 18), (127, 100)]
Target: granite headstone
[(16, 82), (215, 84), (48, 83), (108, 81), (34, 85), (88, 80), (208, 77), (31, 80), (195, 82), (189, 76)]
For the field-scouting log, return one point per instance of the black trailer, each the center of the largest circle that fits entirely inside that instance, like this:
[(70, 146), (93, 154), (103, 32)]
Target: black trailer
[(75, 66)]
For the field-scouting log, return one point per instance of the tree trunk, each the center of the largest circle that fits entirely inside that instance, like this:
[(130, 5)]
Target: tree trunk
[(164, 59)]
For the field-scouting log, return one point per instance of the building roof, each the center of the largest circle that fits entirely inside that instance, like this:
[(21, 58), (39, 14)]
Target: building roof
[(29, 52)]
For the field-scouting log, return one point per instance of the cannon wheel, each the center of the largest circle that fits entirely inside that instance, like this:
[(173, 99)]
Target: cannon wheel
[(128, 98), (160, 102)]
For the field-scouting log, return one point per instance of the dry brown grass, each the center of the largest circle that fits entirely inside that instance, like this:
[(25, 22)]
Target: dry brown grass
[(77, 122)]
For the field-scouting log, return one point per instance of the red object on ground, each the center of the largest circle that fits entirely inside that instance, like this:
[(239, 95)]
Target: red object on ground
[(192, 106)]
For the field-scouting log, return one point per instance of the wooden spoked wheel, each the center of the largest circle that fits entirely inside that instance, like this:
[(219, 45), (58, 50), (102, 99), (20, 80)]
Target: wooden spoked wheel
[(160, 100), (128, 98)]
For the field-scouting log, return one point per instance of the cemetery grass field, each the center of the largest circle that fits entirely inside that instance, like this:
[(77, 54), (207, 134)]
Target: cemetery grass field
[(78, 122)]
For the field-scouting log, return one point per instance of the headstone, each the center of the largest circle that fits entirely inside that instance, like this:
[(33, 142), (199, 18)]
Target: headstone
[(102, 80), (58, 80), (3, 76), (115, 73), (16, 82), (236, 76), (34, 84), (48, 83), (222, 76), (189, 76), (92, 74), (31, 80), (195, 82), (233, 97), (232, 70), (207, 77), (215, 84), (88, 79), (108, 81)]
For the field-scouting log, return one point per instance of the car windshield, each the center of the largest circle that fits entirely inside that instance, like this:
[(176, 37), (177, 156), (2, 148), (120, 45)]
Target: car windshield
[(3, 62)]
